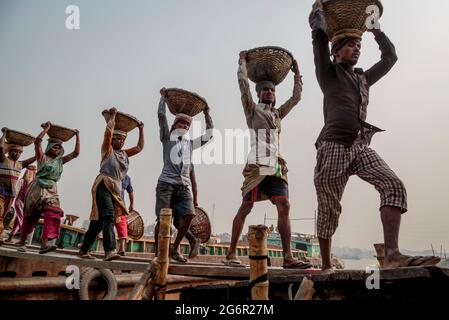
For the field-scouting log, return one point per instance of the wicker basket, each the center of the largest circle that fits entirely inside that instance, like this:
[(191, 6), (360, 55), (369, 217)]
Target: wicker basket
[(59, 132), (268, 63), (200, 225), (347, 17), (182, 101), (123, 121), (135, 225), (19, 138)]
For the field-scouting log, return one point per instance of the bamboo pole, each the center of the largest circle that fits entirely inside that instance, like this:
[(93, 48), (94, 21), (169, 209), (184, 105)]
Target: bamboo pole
[(154, 279), (148, 289), (258, 253), (160, 279), (144, 282), (305, 291)]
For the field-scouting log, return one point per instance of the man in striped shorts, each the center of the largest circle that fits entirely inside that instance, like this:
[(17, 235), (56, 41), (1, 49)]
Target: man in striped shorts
[(343, 144)]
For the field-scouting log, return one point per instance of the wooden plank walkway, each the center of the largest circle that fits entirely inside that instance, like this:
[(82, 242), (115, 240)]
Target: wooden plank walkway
[(214, 270)]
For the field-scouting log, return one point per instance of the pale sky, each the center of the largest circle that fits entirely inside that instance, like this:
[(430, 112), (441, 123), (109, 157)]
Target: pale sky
[(124, 52)]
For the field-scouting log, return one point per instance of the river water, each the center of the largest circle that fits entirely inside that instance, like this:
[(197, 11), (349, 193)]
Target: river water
[(360, 264)]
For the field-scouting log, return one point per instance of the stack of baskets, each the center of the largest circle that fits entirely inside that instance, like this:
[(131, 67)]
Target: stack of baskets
[(183, 101), (347, 18), (268, 63)]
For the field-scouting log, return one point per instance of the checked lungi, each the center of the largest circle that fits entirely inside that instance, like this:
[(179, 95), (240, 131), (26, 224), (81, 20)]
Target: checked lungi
[(335, 164)]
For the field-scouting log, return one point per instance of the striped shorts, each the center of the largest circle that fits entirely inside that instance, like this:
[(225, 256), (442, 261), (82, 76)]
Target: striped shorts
[(335, 164)]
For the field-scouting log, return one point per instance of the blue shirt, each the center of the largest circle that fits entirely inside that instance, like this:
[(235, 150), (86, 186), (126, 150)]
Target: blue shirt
[(177, 150), (126, 185)]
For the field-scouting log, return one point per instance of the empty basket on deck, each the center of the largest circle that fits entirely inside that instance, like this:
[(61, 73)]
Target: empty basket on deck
[(123, 121), (183, 101), (268, 63), (59, 132), (347, 17), (200, 225), (19, 138), (135, 225)]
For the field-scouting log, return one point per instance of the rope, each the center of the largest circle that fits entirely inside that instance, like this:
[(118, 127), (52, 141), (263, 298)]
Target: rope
[(158, 288), (258, 257), (259, 279)]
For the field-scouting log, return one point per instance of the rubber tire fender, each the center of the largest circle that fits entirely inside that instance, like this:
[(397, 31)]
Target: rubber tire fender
[(89, 274)]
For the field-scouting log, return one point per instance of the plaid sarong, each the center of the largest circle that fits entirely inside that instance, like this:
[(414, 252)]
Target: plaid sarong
[(335, 164)]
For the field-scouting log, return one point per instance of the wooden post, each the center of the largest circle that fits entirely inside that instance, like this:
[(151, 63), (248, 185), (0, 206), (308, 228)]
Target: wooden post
[(163, 248), (258, 254), (305, 291), (143, 285), (154, 279)]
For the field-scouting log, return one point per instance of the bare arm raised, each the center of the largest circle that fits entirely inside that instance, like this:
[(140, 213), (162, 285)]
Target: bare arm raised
[(75, 152), (297, 91)]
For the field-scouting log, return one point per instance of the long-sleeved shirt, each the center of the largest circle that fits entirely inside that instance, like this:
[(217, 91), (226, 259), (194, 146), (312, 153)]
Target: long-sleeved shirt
[(346, 91), (177, 150), (264, 121)]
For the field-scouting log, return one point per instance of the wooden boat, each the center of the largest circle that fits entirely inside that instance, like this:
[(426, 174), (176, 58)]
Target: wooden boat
[(31, 275), (71, 237)]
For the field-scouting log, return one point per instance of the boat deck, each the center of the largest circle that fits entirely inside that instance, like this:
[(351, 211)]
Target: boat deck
[(192, 268), (196, 280)]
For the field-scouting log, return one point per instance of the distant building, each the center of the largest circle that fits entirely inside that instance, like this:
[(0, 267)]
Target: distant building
[(225, 237), (299, 241), (214, 239)]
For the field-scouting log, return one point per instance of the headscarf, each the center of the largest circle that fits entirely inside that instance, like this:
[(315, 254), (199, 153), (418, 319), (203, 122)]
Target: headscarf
[(179, 117), (337, 45), (14, 147), (51, 171), (120, 133), (263, 84), (184, 117)]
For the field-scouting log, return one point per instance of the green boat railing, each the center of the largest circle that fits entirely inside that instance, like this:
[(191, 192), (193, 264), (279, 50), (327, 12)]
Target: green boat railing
[(72, 237)]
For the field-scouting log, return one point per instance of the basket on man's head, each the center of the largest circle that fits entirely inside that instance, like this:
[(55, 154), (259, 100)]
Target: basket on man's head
[(347, 18), (268, 64), (180, 101)]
